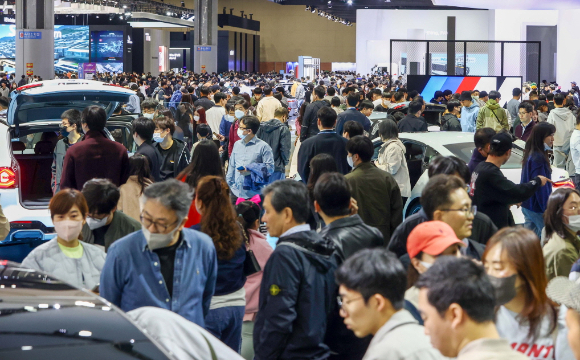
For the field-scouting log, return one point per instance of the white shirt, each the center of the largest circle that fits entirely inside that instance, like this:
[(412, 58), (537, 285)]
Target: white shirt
[(575, 149), (509, 328), (295, 229), (214, 118)]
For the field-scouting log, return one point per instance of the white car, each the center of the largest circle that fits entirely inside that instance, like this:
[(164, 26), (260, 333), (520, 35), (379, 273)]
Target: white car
[(424, 147), (27, 141)]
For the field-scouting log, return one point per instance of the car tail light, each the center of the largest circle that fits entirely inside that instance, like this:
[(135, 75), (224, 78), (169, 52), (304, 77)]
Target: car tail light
[(568, 183), (29, 86), (7, 178)]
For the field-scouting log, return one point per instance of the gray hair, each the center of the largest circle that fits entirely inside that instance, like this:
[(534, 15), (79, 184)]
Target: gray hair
[(173, 194)]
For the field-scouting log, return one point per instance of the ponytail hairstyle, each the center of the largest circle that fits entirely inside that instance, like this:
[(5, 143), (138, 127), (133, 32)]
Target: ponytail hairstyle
[(248, 212), (219, 219)]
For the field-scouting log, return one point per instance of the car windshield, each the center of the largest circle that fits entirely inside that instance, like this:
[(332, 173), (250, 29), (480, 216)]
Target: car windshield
[(464, 151)]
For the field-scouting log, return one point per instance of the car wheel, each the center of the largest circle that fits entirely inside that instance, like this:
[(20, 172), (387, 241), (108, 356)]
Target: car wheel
[(414, 207)]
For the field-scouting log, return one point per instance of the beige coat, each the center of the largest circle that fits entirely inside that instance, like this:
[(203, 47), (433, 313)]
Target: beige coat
[(266, 107), (129, 200), (392, 160)]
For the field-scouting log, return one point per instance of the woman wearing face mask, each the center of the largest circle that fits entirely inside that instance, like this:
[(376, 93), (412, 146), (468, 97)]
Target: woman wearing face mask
[(198, 118), (240, 110), (65, 257), (392, 157), (562, 220), (218, 220), (425, 244), (525, 316), (536, 162), (225, 126), (249, 217)]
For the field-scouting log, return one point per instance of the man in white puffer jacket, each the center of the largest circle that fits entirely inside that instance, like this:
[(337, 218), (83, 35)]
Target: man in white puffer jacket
[(563, 119)]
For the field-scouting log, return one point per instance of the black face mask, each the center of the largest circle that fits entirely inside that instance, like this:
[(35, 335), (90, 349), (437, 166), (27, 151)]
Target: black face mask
[(505, 289)]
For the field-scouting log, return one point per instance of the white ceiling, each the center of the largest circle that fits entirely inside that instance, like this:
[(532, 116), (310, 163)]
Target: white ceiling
[(512, 4)]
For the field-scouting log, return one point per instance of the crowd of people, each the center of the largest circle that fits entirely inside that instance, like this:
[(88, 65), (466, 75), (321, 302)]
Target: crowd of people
[(300, 250)]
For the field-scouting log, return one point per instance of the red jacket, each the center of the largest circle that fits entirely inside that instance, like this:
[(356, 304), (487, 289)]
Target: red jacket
[(233, 136), (94, 156)]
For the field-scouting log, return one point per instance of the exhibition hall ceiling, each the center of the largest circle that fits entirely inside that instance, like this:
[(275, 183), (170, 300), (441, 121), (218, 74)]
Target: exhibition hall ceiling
[(346, 9)]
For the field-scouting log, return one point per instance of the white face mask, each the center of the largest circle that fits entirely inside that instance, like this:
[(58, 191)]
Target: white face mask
[(157, 241), (573, 223), (349, 161), (239, 114), (196, 118), (241, 134), (95, 223), (68, 230), (157, 138), (230, 118), (426, 265), (148, 116)]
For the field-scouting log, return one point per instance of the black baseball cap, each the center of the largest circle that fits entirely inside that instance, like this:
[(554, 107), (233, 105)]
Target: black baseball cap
[(501, 142)]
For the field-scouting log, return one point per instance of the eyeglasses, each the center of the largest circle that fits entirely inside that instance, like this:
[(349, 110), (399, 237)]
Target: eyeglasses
[(342, 302), (159, 228), (469, 211)]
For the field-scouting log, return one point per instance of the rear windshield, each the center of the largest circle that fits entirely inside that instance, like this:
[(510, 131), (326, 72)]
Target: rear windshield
[(42, 111), (464, 151)]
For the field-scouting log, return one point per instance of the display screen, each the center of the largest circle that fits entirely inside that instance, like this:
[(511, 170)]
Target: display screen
[(115, 67), (71, 47), (106, 46), (428, 84)]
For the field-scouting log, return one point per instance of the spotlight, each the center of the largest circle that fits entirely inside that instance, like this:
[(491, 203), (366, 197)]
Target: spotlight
[(313, 10), (111, 16), (169, 13), (349, 2), (124, 6), (182, 3)]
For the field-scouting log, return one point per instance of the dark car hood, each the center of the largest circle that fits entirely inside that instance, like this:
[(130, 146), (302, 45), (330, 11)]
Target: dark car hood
[(42, 317)]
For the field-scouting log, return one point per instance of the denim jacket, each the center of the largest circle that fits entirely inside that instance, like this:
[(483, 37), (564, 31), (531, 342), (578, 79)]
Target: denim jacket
[(254, 151), (131, 277)]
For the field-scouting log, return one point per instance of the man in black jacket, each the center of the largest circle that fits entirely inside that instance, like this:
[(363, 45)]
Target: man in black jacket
[(275, 133), (143, 130), (450, 122), (332, 201), (352, 114), (482, 226), (174, 152), (327, 141), (309, 125), (204, 101), (492, 192), (413, 122), (297, 290)]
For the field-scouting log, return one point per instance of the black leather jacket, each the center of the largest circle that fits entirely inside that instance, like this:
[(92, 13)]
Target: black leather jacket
[(351, 234)]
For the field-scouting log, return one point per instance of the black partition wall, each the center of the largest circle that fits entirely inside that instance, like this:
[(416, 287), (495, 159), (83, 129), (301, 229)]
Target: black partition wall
[(238, 51)]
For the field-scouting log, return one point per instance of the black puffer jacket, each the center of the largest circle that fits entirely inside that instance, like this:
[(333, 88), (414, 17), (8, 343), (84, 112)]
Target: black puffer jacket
[(296, 296), (309, 121), (276, 134), (450, 122)]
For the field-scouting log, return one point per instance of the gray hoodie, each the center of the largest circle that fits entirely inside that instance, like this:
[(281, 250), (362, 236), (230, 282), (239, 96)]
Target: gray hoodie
[(563, 119), (277, 135)]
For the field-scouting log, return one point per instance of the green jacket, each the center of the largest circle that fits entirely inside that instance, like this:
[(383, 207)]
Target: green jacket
[(560, 254), (492, 116), (121, 226), (378, 198)]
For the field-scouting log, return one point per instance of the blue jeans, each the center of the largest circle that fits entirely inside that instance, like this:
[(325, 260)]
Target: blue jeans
[(533, 221), (226, 324), (277, 175)]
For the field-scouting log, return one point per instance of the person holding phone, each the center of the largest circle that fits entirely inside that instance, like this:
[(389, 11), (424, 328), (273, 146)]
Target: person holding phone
[(251, 162)]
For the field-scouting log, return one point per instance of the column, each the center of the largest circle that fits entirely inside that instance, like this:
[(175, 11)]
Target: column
[(35, 38), (205, 36), (568, 53)]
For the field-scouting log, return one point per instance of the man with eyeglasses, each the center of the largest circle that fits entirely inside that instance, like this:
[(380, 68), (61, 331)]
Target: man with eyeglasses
[(251, 163), (164, 264), (524, 128), (371, 308)]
